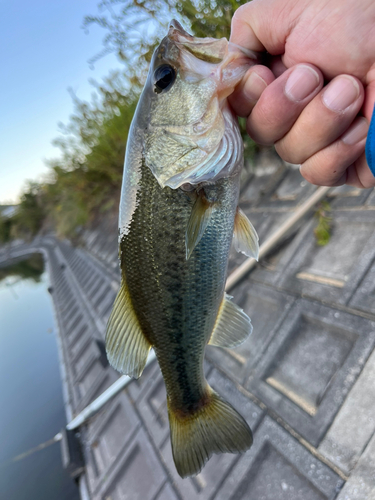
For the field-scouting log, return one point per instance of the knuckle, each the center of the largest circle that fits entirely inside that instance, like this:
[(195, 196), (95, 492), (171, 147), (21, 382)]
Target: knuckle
[(321, 171), (257, 134), (262, 126), (288, 154), (241, 12), (308, 174)]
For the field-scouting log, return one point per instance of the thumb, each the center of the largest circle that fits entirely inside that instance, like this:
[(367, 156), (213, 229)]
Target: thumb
[(264, 25)]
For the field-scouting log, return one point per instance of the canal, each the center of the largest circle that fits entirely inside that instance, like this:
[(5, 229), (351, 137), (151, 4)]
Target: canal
[(31, 402)]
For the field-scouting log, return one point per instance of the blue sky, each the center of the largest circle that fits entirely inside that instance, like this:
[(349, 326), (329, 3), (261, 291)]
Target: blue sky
[(43, 51)]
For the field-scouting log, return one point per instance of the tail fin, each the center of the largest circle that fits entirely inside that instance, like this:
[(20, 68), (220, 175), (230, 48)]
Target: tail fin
[(214, 428)]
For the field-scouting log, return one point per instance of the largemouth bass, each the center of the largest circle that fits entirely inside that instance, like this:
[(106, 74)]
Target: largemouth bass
[(178, 211)]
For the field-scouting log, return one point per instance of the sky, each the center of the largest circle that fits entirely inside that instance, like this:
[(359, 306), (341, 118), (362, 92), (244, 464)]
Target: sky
[(43, 52)]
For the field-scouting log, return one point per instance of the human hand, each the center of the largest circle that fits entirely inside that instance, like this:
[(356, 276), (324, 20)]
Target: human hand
[(316, 99)]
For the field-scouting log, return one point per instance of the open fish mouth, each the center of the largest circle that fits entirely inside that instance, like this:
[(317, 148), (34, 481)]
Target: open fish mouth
[(209, 50)]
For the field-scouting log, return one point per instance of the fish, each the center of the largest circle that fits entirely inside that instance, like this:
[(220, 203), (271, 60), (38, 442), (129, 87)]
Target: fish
[(178, 216)]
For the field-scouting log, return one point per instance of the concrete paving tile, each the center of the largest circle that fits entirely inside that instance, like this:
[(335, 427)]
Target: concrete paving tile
[(137, 475), (109, 377), (68, 306), (364, 297), (104, 379), (108, 435), (332, 272), (267, 309), (79, 342), (370, 201), (348, 196), (103, 297), (251, 412), (361, 484), (97, 288), (292, 189), (279, 467), (88, 378), (266, 223), (106, 303), (74, 322), (354, 425), (272, 267), (167, 493), (137, 387), (153, 410), (89, 354), (74, 335), (311, 365), (267, 176)]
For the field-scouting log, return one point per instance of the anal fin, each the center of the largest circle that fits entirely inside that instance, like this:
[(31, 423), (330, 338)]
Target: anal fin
[(198, 222), (232, 326), (126, 345), (245, 237)]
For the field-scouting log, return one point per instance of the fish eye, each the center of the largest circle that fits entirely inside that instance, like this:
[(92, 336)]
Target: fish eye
[(164, 78)]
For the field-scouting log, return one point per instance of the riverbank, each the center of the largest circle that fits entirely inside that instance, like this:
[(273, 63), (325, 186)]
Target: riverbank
[(303, 381)]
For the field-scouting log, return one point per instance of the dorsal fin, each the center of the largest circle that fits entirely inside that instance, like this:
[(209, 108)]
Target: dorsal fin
[(232, 326), (126, 345), (245, 238), (198, 221)]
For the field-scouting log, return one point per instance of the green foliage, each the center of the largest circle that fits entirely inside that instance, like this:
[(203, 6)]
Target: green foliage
[(30, 214), (5, 229), (85, 181), (323, 229), (133, 28), (31, 268)]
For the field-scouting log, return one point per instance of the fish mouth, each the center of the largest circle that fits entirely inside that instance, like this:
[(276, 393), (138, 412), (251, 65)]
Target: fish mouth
[(210, 50), (175, 29), (200, 58)]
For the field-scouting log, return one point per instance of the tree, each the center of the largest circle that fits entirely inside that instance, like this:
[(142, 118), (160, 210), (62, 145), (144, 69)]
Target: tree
[(85, 181), (29, 217), (134, 28)]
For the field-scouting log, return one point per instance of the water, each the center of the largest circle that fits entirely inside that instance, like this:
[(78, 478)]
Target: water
[(31, 403)]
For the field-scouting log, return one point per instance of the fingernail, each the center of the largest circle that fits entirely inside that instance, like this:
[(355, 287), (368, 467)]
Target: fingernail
[(341, 93), (357, 131), (301, 83), (254, 87)]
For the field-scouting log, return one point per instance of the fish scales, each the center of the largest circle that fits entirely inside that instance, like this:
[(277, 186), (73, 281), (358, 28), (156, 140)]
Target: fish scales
[(178, 216), (178, 307)]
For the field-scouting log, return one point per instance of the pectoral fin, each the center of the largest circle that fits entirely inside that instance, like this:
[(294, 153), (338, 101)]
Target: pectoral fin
[(198, 221), (232, 326), (245, 238), (126, 345)]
